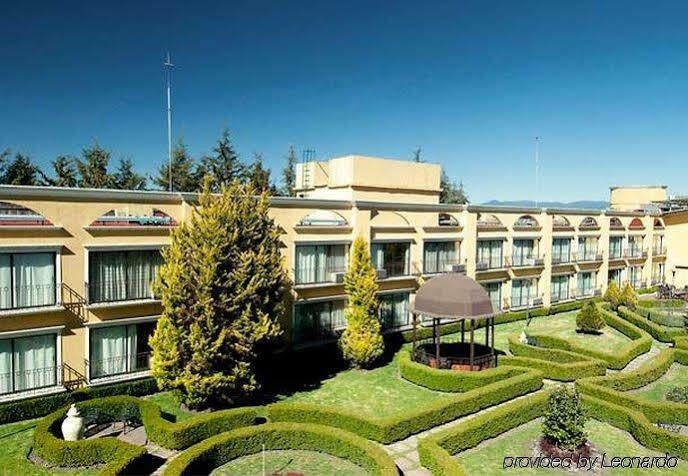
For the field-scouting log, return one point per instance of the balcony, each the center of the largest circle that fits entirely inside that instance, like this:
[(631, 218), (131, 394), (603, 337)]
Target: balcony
[(520, 302), (588, 257), (488, 265), (635, 253), (393, 269), (28, 296), (616, 255), (103, 291), (520, 261), (314, 276), (119, 367), (558, 297), (561, 258), (584, 293), (27, 383), (659, 250), (444, 266)]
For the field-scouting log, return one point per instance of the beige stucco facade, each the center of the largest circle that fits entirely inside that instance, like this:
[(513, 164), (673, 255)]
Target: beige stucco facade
[(556, 255), (636, 197)]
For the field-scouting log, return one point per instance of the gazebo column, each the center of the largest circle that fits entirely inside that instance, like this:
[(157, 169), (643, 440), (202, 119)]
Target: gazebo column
[(463, 322), (472, 348), (487, 332)]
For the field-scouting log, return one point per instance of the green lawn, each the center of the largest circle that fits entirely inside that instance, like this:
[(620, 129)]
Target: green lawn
[(377, 392), (488, 457), (15, 441), (677, 375), (285, 461), (169, 405)]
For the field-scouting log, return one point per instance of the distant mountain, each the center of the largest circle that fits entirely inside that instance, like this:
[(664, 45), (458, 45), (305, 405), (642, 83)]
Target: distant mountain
[(587, 204)]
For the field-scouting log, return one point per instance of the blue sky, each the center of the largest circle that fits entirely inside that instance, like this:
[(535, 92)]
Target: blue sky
[(603, 83)]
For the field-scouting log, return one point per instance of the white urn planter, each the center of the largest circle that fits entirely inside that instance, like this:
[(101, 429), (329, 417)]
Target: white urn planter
[(523, 338), (73, 425)]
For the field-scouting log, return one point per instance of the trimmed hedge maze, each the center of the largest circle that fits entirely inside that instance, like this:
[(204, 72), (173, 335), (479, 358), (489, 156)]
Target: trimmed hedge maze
[(117, 455), (220, 449)]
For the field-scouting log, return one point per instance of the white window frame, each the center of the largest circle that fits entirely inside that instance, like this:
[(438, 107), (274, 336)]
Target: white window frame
[(52, 248)]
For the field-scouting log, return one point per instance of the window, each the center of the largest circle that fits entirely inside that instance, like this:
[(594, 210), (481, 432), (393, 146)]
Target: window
[(122, 275), (438, 256), (560, 287), (615, 275), (615, 246), (392, 257), (522, 290), (587, 248), (615, 223), (588, 222), (316, 263), (561, 250), (394, 310), (490, 253), (657, 273), (524, 253), (27, 280), (587, 282), (635, 246), (27, 363), (658, 245), (494, 290), (318, 320), (116, 350), (635, 276), (526, 221)]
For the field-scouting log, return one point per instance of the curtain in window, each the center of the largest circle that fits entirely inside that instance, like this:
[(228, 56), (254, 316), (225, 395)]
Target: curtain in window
[(377, 252), (5, 282), (587, 247), (34, 279), (304, 327), (338, 318), (490, 252), (494, 291), (336, 258), (109, 346), (560, 287), (615, 245), (107, 276), (5, 366), (520, 292), (561, 250), (394, 310), (142, 267), (431, 258), (523, 251), (34, 362), (586, 283)]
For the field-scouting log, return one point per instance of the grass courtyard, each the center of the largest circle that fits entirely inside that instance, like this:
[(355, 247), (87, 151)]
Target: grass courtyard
[(285, 462), (676, 376)]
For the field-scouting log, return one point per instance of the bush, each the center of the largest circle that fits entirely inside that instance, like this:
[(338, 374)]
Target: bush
[(564, 423), (41, 406), (613, 295), (589, 320), (220, 449), (649, 290), (628, 297), (661, 303), (661, 333), (678, 394), (669, 318)]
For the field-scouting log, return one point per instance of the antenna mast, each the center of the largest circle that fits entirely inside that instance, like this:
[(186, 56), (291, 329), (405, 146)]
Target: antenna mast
[(537, 170), (168, 80)]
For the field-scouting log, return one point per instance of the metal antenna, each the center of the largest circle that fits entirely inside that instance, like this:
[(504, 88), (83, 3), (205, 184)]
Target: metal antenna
[(168, 79), (537, 169)]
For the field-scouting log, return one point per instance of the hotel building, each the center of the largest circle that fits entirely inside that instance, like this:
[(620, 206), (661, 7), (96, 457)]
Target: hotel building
[(76, 265)]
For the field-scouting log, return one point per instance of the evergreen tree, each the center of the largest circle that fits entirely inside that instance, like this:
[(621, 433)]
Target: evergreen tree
[(22, 171), (628, 297), (184, 176), (126, 178), (417, 155), (221, 286), (65, 172), (361, 342), (289, 174), (224, 166), (589, 319), (613, 295), (4, 156), (565, 418), (451, 192), (259, 176), (93, 168)]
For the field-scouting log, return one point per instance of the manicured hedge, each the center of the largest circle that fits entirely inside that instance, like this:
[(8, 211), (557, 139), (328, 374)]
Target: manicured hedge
[(674, 319), (220, 449), (40, 406), (397, 427), (49, 445), (661, 303), (436, 450), (649, 290), (640, 343), (661, 333), (450, 380)]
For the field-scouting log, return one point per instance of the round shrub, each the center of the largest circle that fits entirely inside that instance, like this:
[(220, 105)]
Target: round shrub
[(589, 319), (564, 423)]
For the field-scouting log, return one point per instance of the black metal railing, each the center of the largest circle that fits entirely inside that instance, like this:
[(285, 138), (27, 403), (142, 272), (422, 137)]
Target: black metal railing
[(659, 250), (634, 253), (615, 253), (114, 290), (395, 268), (28, 380), (28, 296), (589, 255), (440, 266), (560, 258), (118, 365), (317, 274), (491, 263), (585, 292), (456, 356), (519, 260)]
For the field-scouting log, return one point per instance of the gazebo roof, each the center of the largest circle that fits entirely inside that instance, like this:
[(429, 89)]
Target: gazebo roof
[(453, 295)]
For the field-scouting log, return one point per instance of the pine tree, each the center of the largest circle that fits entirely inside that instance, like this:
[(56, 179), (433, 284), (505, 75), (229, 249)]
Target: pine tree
[(361, 342), (417, 155), (22, 171), (289, 173), (259, 177), (224, 166), (93, 168), (126, 178), (221, 286), (613, 295), (64, 168), (451, 192), (184, 176), (589, 319)]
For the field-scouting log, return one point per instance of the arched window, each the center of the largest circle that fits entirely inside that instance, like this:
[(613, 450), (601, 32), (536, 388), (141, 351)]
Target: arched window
[(615, 224), (323, 218), (489, 221), (559, 221), (636, 224), (12, 214), (445, 219), (658, 223), (588, 222), (124, 217), (526, 221)]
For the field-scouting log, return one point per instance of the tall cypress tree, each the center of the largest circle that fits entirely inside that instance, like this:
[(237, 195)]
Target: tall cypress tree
[(289, 173), (221, 286)]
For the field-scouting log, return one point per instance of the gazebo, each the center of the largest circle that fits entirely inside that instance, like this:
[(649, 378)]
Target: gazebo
[(454, 297)]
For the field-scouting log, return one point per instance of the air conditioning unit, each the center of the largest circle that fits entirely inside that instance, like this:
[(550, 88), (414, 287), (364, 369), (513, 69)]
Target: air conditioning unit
[(381, 273), (481, 266), (537, 301), (538, 262), (554, 299), (455, 268), (337, 277)]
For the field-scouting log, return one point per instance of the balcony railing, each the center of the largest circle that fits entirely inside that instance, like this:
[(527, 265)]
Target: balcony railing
[(393, 268), (586, 292), (118, 365), (318, 275), (659, 250), (443, 266), (634, 253), (28, 380), (615, 254), (588, 256), (115, 290), (27, 296), (561, 258), (521, 261), (556, 297), (484, 265)]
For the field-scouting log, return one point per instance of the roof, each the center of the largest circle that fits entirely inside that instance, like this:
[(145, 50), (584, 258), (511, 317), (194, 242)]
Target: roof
[(453, 295)]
